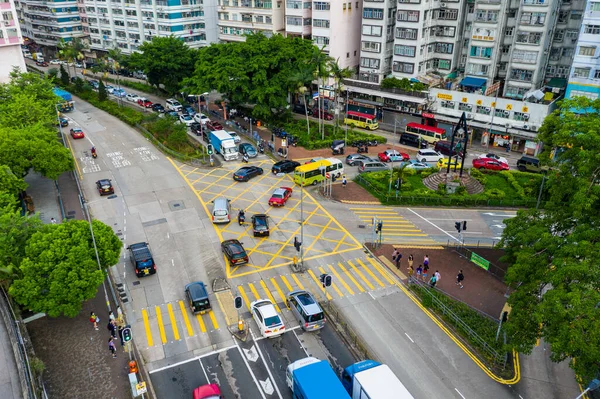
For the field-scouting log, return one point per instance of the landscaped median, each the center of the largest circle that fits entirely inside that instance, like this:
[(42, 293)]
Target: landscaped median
[(313, 141), (501, 189)]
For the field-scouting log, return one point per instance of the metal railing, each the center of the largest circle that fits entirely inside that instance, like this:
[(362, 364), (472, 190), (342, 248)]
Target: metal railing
[(497, 271), (375, 86)]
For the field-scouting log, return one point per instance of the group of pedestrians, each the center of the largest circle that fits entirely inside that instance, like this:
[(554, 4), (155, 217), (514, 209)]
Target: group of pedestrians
[(113, 326), (423, 270)]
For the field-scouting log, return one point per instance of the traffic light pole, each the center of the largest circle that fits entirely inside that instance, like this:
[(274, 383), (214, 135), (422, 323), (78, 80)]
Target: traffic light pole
[(302, 221)]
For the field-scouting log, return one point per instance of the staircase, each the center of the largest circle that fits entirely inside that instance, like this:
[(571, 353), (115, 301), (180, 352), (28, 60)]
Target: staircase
[(433, 181)]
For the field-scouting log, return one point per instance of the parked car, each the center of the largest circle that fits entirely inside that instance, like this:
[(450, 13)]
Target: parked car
[(144, 102), (299, 109), (280, 196), (529, 164), (372, 166), (171, 114), (246, 173), (490, 164), (248, 149), (201, 118), (55, 62), (109, 89), (392, 156), (173, 105), (494, 156), (77, 133), (266, 317), (426, 155), (412, 164), (324, 114), (236, 137), (41, 63), (119, 93), (105, 187), (140, 75), (196, 128), (260, 225), (95, 84), (186, 119), (354, 159), (234, 252), (214, 125), (188, 109), (158, 108), (443, 147), (132, 97), (285, 166)]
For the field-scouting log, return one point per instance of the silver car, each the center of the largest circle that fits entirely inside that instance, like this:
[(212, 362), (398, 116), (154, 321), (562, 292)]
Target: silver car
[(306, 310)]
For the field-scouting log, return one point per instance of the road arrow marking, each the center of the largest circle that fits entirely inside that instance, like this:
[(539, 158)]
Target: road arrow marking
[(500, 226), (267, 386), (251, 354)]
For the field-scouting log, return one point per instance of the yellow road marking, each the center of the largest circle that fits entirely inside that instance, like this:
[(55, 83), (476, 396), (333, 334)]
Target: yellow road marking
[(186, 320), (213, 319), (147, 327), (360, 275), (351, 277), (161, 327), (341, 280), (318, 283), (287, 284), (370, 273), (201, 323), (298, 283), (391, 267), (381, 271), (243, 294), (73, 154), (173, 321), (254, 292), (268, 292), (334, 285), (279, 291)]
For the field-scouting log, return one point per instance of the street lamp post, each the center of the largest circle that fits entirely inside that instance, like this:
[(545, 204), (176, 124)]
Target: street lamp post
[(345, 116), (302, 221)]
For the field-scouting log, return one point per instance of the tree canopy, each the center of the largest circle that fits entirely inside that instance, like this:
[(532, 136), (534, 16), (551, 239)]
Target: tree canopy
[(555, 253), (256, 71), (165, 60), (59, 270)]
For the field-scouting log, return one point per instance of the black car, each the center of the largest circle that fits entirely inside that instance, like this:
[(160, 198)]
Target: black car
[(260, 225), (234, 251), (64, 122), (246, 173), (158, 108), (443, 147), (286, 166), (196, 128), (105, 187), (299, 109)]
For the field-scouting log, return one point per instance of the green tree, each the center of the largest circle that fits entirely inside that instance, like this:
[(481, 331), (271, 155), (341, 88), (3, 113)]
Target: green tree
[(9, 183), (166, 61), (35, 147), (301, 81), (102, 93), (554, 254), (338, 74), (59, 271), (27, 100), (71, 51), (64, 76), (256, 71), (321, 61)]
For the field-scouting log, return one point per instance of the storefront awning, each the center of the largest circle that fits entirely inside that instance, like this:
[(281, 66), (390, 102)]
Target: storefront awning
[(473, 82), (560, 83)]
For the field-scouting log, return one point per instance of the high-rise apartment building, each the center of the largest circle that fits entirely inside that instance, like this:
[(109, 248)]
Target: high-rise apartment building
[(10, 40), (584, 79), (47, 22)]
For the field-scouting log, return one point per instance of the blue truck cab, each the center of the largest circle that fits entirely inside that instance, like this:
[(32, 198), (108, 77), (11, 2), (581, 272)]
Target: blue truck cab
[(311, 378)]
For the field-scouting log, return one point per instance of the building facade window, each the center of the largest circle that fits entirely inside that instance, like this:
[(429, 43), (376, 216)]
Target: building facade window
[(373, 13), (525, 57), (369, 62), (587, 51), (407, 16), (321, 23), (406, 33), (486, 15), (523, 75), (405, 51), (403, 67), (321, 40), (477, 69), (443, 31), (481, 52), (559, 35), (529, 37), (563, 16), (446, 14), (597, 74), (515, 92), (442, 64), (533, 18), (443, 48), (371, 30), (320, 5), (372, 47), (592, 29), (581, 72), (580, 93), (294, 21)]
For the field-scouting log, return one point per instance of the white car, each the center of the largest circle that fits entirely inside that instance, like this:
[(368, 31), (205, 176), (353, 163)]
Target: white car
[(173, 105), (494, 156), (236, 138), (109, 89), (55, 62), (429, 156), (201, 118), (132, 97), (186, 119), (266, 317)]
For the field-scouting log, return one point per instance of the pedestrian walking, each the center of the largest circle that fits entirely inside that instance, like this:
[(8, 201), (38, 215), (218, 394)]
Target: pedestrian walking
[(438, 276), (111, 316), (426, 261), (410, 272), (459, 278), (344, 181), (112, 327), (411, 259), (395, 254), (120, 331), (432, 281), (425, 271), (94, 320), (112, 348), (398, 258), (419, 271), (52, 220)]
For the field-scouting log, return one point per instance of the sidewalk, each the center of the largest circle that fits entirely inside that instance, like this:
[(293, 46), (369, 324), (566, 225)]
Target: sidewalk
[(78, 362)]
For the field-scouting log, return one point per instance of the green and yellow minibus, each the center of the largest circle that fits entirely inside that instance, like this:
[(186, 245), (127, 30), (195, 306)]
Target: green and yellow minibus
[(364, 121), (310, 173)]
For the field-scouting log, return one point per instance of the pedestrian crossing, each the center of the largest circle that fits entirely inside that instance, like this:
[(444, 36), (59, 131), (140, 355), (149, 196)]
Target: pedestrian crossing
[(396, 229), (175, 321), (351, 277)]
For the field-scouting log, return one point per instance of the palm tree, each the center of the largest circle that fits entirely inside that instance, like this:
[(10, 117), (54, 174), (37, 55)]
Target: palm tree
[(71, 51), (320, 61), (301, 81), (339, 74)]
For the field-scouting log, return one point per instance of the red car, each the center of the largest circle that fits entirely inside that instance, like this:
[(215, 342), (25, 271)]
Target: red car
[(41, 63), (324, 114), (209, 391), (393, 156), (280, 196), (77, 133), (489, 163), (212, 126), (144, 102)]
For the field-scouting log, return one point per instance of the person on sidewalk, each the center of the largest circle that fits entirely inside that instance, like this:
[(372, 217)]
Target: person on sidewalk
[(425, 271), (459, 278), (395, 254), (410, 272), (432, 281), (52, 220), (94, 320), (112, 348), (438, 276), (426, 261), (398, 258), (411, 259), (419, 271), (112, 327), (344, 181)]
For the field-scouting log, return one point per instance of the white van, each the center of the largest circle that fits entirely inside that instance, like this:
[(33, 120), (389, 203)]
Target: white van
[(337, 167), (429, 156), (221, 211), (173, 105)]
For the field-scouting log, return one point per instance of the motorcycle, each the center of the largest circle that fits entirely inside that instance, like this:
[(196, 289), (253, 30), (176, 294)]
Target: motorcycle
[(245, 158), (362, 149), (241, 217), (372, 143), (94, 154), (261, 148)]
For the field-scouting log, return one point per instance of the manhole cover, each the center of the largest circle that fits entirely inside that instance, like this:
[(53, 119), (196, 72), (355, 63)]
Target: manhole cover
[(176, 205), (136, 283)]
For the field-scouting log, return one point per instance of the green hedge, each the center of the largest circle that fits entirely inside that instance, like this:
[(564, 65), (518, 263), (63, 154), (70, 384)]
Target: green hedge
[(139, 86), (297, 128)]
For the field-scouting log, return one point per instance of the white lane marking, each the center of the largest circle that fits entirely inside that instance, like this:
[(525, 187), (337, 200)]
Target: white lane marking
[(267, 386), (371, 295), (265, 364), (453, 220), (466, 232), (302, 346), (173, 262), (251, 353), (250, 370), (204, 371), (502, 216), (461, 395), (411, 340), (434, 225), (194, 359)]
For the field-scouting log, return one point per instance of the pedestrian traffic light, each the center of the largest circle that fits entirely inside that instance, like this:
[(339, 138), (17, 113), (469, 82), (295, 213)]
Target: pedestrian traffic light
[(297, 244), (464, 226), (504, 317), (325, 280), (238, 302), (457, 226), (379, 227), (209, 149), (126, 334)]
